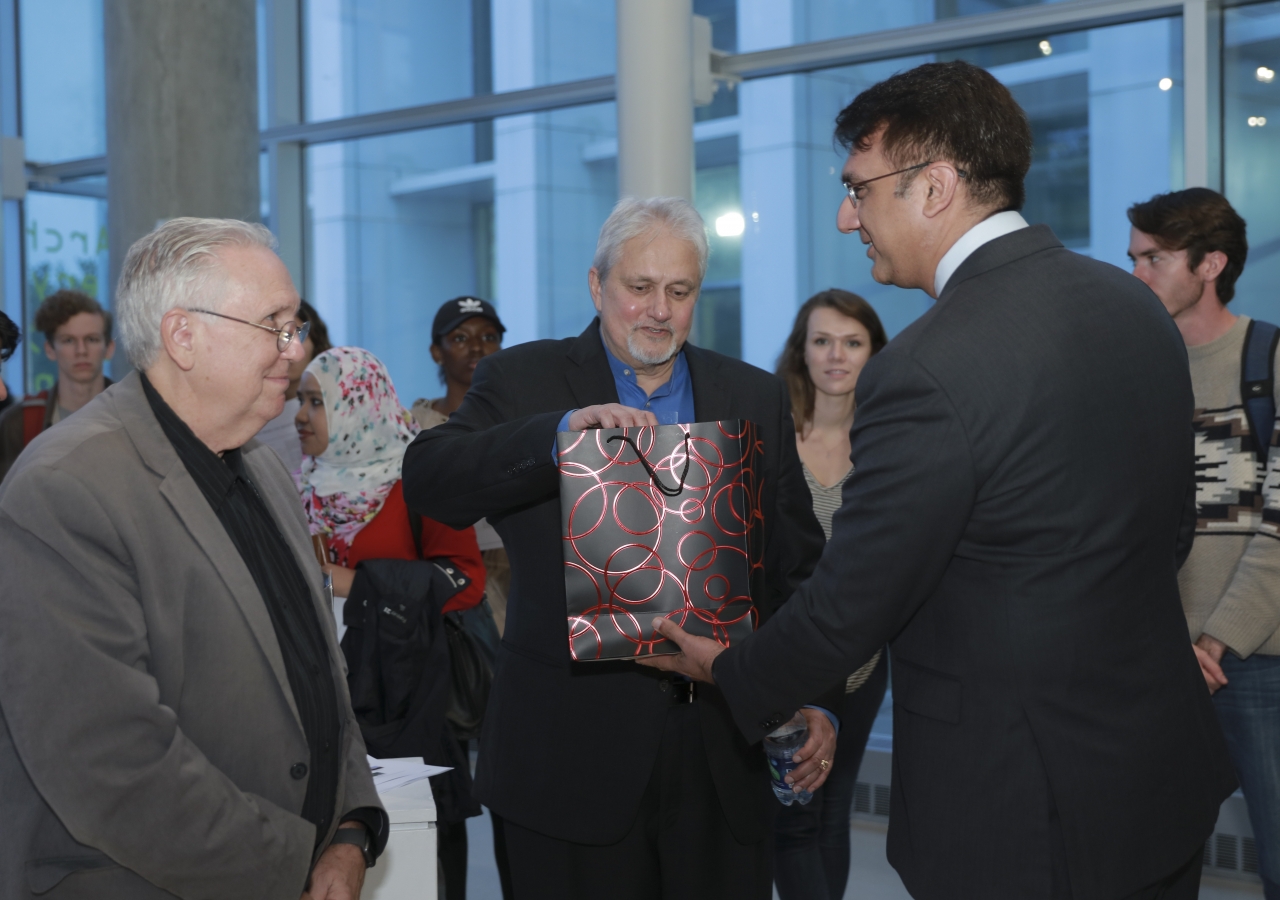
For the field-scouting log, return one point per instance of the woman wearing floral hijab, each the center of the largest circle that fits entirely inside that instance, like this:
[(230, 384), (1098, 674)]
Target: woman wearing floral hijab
[(354, 433)]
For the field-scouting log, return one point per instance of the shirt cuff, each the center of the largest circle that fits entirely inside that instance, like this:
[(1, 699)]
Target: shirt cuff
[(563, 426), (376, 822), (835, 721)]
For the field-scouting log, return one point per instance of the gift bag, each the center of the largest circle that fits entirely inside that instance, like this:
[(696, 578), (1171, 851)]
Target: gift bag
[(659, 521)]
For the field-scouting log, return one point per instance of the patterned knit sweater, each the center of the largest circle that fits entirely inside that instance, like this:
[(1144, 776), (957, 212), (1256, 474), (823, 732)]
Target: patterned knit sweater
[(1230, 583)]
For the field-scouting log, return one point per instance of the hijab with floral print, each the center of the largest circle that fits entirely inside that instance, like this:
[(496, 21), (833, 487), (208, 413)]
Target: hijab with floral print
[(344, 487)]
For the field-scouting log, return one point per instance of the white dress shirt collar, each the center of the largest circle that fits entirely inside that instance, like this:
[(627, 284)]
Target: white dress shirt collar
[(989, 229)]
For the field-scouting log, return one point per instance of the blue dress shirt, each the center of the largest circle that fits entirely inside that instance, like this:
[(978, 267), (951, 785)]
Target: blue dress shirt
[(671, 403)]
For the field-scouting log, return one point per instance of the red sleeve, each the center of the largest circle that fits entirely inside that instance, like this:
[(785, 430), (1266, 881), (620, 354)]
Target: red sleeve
[(388, 536), (460, 547)]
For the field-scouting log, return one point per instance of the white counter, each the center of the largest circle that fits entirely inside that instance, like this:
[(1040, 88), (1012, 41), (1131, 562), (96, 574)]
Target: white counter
[(407, 868)]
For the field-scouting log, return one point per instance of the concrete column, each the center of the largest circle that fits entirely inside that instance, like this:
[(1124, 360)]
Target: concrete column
[(182, 114), (655, 98)]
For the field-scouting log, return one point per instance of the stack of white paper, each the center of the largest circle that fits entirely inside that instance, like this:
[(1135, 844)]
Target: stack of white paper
[(394, 773)]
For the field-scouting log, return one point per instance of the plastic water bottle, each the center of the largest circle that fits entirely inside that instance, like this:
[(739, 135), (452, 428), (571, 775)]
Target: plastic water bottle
[(779, 747)]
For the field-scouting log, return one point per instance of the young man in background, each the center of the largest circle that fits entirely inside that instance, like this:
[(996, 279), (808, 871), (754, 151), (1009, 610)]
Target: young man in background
[(1189, 247), (77, 334)]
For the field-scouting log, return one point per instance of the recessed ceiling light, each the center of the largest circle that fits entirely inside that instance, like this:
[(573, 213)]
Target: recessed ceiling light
[(1257, 121), (1046, 48), (1166, 83), (1265, 75)]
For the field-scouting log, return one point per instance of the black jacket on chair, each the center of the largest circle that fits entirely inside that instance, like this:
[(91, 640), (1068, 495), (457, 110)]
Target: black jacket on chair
[(567, 749), (1022, 459), (399, 675)]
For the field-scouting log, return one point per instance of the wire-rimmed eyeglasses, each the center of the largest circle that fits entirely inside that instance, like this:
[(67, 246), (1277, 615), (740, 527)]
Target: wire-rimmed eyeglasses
[(285, 334), (852, 189)]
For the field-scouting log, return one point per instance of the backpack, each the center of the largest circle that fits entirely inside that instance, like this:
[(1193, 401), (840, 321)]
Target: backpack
[(1257, 384)]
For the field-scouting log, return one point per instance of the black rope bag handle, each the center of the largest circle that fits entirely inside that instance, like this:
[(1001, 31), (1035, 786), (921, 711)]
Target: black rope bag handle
[(653, 475)]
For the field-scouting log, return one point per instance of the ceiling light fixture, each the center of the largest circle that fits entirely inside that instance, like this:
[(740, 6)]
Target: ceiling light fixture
[(1265, 75), (1046, 48), (1166, 83), (731, 224)]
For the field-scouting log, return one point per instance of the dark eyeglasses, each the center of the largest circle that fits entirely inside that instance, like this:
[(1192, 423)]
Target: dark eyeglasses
[(285, 334), (852, 189)]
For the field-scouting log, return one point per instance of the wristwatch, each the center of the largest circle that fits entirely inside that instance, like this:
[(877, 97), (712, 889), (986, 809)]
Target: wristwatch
[(359, 836)]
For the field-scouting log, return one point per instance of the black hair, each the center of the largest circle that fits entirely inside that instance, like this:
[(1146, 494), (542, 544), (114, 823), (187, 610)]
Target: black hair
[(1199, 221), (9, 335), (949, 111)]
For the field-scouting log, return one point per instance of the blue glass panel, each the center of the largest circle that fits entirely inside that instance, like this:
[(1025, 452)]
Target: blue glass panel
[(1251, 143), (63, 79)]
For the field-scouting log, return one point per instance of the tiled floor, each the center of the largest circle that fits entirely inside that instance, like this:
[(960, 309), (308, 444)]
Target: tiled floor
[(870, 877)]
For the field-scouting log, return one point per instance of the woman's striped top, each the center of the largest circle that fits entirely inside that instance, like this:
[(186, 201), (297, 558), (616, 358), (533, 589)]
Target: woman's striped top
[(826, 500)]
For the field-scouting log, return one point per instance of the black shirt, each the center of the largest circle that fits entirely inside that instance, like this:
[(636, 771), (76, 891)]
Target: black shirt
[(225, 483)]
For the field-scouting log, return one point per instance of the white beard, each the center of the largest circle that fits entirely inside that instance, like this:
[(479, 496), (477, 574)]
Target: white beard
[(648, 357)]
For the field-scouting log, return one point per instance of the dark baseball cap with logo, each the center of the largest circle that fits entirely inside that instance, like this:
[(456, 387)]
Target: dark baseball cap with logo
[(456, 311)]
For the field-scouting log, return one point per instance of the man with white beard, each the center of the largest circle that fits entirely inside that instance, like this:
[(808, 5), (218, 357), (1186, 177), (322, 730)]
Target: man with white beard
[(615, 781)]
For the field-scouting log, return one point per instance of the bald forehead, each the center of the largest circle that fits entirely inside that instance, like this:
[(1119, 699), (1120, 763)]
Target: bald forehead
[(257, 281)]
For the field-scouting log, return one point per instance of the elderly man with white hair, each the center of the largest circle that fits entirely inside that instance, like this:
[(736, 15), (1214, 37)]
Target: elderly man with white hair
[(175, 713), (614, 781)]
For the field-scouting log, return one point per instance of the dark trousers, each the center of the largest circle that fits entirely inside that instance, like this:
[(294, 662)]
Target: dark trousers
[(812, 842), (451, 857), (679, 848)]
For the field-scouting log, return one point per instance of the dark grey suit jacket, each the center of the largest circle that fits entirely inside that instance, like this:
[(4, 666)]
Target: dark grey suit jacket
[(568, 749), (149, 739), (1022, 456)]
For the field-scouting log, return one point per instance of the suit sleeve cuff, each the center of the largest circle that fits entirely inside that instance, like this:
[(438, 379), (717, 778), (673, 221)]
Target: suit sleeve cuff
[(563, 426), (835, 721)]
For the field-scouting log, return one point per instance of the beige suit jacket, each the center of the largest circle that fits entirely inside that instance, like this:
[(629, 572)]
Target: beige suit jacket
[(149, 737)]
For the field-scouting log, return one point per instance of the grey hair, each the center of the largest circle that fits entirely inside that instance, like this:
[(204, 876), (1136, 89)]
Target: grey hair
[(632, 218), (171, 267)]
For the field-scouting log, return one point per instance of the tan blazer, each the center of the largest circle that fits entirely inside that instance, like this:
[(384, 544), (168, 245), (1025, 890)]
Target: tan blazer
[(149, 737)]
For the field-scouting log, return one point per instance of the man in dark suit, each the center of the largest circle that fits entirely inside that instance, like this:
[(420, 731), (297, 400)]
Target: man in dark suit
[(615, 781), (1012, 528)]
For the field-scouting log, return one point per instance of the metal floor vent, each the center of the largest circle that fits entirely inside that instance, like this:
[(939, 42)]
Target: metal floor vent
[(1225, 855), (871, 790), (1231, 851), (871, 799)]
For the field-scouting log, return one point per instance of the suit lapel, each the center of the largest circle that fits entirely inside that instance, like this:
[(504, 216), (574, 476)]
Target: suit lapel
[(589, 376), (184, 496), (712, 394), (189, 504)]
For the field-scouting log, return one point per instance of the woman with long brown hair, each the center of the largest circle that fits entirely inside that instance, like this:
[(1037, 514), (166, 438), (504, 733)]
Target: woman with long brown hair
[(834, 334)]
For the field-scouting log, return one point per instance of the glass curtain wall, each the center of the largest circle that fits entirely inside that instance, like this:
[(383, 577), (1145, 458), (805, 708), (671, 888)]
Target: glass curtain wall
[(1251, 146), (1105, 112), (64, 235)]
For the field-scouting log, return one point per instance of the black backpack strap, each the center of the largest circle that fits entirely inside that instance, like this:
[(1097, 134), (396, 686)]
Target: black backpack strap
[(1257, 384), (415, 528)]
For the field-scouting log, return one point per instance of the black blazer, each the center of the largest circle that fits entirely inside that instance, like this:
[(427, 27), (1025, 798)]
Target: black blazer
[(568, 749), (1022, 457)]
